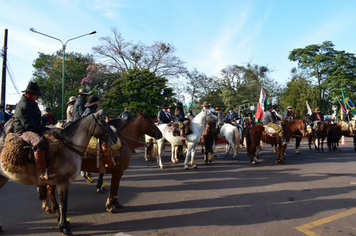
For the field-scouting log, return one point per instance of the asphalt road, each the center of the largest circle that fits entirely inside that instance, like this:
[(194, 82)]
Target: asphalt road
[(310, 195)]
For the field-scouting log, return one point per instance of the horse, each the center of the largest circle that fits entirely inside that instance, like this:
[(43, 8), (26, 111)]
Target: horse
[(129, 135), (333, 137), (256, 133), (320, 134), (67, 166), (232, 136), (208, 139), (192, 140)]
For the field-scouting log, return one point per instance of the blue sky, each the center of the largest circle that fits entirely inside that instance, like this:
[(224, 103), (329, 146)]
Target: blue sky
[(208, 35)]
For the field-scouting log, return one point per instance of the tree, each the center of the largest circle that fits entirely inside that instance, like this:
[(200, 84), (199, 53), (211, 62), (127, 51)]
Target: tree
[(334, 70), (141, 90), (48, 75), (297, 92), (121, 56), (198, 85)]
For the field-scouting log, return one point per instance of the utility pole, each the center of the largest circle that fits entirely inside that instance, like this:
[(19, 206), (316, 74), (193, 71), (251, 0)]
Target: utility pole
[(3, 81)]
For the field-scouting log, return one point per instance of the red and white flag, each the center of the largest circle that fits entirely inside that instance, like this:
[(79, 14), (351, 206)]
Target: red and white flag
[(262, 104)]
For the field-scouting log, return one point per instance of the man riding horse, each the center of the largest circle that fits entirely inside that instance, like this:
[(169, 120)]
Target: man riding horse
[(232, 117), (27, 126), (270, 121), (317, 118)]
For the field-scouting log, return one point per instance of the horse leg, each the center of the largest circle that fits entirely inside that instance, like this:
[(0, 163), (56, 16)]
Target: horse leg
[(99, 185), (160, 146), (173, 153), (234, 150), (112, 202), (52, 195), (227, 148), (42, 194), (63, 224), (215, 149), (297, 144)]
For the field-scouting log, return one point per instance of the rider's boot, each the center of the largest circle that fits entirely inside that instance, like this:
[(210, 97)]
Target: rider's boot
[(181, 135), (43, 172)]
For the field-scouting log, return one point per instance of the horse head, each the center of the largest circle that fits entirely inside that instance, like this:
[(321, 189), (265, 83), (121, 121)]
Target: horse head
[(148, 126), (102, 129)]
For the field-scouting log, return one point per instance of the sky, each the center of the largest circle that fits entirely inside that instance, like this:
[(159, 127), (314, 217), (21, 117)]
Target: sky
[(208, 35)]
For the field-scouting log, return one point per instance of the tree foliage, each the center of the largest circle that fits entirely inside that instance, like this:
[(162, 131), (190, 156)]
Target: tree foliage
[(140, 90), (333, 70), (48, 75)]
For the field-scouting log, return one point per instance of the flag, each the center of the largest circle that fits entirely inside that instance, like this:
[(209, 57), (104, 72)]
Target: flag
[(262, 104), (308, 108), (343, 108), (348, 103)]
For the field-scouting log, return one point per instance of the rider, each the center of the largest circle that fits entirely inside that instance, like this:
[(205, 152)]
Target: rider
[(27, 126), (317, 118), (270, 121), (69, 113), (78, 107), (8, 113), (126, 115), (248, 121), (164, 117), (220, 116), (346, 117), (179, 114), (288, 114), (232, 117), (47, 118), (210, 111)]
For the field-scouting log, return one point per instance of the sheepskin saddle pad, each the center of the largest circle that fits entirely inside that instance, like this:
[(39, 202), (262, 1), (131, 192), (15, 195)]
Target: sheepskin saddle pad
[(17, 153)]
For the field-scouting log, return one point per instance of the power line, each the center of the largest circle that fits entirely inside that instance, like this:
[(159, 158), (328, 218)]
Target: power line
[(8, 68)]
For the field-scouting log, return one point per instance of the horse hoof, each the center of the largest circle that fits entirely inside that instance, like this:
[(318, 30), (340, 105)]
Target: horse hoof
[(186, 167), (49, 210), (195, 166), (111, 210), (176, 160), (100, 190), (215, 155), (254, 162), (161, 167), (234, 157), (173, 161)]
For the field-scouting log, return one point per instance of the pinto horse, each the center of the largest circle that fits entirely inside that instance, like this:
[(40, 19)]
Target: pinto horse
[(192, 140), (256, 133), (75, 139), (129, 135)]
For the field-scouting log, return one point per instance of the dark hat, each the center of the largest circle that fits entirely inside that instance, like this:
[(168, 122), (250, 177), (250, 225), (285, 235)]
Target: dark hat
[(84, 91), (164, 106), (92, 100), (72, 99), (206, 104), (179, 104), (32, 87), (48, 109), (275, 106), (231, 108), (9, 107), (217, 109), (269, 106)]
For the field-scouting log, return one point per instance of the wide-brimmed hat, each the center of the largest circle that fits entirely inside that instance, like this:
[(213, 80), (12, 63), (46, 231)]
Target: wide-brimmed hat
[(289, 107), (179, 104), (206, 104), (83, 91), (48, 109), (269, 106), (72, 99), (164, 106), (231, 108), (217, 109), (92, 100), (275, 106), (317, 109), (32, 87)]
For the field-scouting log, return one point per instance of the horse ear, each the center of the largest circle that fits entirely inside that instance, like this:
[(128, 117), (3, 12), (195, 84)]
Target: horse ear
[(140, 112)]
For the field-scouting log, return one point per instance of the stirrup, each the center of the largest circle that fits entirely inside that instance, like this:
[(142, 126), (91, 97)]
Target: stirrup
[(45, 176)]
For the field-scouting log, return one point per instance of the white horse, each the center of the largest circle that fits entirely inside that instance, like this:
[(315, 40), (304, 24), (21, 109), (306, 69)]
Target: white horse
[(192, 140), (232, 136)]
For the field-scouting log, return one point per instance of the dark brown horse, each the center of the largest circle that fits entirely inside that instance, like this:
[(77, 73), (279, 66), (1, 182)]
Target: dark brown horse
[(129, 135), (319, 136), (256, 133), (208, 138), (333, 137)]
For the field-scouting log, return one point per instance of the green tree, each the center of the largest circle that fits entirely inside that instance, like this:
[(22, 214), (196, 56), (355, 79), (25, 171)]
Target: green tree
[(333, 70), (141, 90), (48, 74)]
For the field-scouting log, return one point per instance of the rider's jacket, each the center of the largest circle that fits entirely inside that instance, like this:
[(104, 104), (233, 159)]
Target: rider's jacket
[(28, 116), (164, 117), (268, 118), (287, 114), (78, 108), (231, 116), (317, 116)]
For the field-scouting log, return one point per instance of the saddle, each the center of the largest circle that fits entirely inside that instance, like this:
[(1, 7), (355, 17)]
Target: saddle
[(105, 155), (17, 153), (270, 131), (186, 131)]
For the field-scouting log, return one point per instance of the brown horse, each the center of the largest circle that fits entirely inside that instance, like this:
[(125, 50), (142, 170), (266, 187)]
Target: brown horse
[(208, 138), (256, 133), (129, 135), (333, 137), (320, 136)]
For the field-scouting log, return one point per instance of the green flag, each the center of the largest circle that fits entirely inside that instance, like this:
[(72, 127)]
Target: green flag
[(348, 103)]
